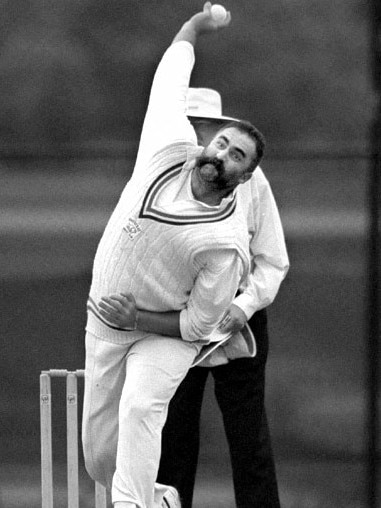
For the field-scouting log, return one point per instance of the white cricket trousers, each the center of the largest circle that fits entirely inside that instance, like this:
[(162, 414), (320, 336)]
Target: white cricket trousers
[(127, 392)]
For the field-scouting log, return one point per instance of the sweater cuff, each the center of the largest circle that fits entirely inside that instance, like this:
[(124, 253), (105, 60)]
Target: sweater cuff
[(186, 46), (184, 327), (245, 303)]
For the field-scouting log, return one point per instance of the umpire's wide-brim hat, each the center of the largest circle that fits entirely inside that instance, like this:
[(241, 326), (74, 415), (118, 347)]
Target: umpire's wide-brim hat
[(206, 103)]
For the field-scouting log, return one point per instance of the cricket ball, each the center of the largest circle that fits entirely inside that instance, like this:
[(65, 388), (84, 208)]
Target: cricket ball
[(218, 13)]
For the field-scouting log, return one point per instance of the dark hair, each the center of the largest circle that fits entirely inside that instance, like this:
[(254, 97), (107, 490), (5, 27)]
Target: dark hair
[(254, 134)]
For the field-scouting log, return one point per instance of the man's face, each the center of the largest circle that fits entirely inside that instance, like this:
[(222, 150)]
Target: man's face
[(225, 162)]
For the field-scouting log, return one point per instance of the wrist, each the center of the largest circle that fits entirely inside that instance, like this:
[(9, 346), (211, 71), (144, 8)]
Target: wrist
[(188, 33), (137, 320), (134, 326)]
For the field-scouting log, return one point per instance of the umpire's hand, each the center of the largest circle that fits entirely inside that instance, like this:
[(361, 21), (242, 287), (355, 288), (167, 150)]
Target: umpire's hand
[(233, 320)]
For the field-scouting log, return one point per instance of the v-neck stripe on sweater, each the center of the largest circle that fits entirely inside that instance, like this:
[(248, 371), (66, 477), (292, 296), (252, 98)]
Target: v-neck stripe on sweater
[(150, 210)]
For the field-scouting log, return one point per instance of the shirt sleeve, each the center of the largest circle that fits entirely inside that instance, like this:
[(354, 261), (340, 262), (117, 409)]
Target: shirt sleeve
[(212, 293), (165, 120), (268, 250)]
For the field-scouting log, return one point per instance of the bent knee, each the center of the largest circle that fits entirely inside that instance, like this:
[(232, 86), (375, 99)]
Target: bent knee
[(143, 410)]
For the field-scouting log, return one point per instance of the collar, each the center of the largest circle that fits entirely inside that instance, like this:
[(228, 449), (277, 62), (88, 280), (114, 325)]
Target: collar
[(201, 213)]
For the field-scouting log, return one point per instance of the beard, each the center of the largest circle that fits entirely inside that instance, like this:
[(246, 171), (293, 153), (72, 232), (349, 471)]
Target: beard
[(212, 170)]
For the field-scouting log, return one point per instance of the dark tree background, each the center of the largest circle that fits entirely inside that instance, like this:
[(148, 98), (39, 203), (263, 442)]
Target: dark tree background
[(79, 72)]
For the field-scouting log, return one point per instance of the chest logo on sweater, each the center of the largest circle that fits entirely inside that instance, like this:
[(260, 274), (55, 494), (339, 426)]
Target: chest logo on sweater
[(132, 228)]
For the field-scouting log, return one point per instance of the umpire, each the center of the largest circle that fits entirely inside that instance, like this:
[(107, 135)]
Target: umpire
[(239, 381)]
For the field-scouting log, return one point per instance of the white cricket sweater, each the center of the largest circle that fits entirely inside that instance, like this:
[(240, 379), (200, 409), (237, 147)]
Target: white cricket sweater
[(157, 252)]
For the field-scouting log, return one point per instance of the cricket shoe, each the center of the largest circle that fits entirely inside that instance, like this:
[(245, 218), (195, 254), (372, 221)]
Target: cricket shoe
[(171, 498)]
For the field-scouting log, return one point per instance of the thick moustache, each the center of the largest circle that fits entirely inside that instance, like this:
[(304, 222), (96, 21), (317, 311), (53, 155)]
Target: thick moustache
[(217, 163)]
